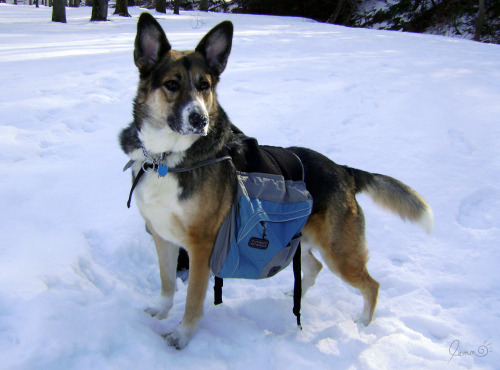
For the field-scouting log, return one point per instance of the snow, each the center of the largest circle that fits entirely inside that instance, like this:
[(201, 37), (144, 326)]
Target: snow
[(77, 268)]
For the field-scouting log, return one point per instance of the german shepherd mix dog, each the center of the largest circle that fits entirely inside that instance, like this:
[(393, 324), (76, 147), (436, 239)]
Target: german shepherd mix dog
[(178, 123)]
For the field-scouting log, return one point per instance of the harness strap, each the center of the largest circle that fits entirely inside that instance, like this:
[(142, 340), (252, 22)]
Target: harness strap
[(201, 164), (146, 165), (218, 284), (297, 285), (134, 184)]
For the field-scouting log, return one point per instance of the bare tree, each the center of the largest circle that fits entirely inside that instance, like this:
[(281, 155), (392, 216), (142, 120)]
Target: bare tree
[(354, 7), (479, 21), (59, 11), (99, 10), (204, 5), (122, 8), (176, 6), (336, 13), (161, 6), (346, 8)]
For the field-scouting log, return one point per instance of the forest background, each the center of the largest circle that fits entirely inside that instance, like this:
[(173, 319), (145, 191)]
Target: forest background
[(470, 19)]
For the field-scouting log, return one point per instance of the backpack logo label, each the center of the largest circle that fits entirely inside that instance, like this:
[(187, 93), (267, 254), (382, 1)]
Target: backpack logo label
[(258, 243)]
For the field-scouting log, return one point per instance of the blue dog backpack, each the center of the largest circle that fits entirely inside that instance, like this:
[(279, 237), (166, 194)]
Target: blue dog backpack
[(260, 235)]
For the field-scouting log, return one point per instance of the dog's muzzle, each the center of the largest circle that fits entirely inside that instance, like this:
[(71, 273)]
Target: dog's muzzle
[(194, 119)]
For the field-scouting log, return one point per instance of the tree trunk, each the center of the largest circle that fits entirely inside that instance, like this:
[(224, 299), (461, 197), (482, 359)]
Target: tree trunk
[(176, 6), (99, 10), (354, 6), (59, 11), (204, 5), (121, 8), (336, 13), (161, 6), (479, 21)]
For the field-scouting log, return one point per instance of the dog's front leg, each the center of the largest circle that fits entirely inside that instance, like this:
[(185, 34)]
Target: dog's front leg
[(199, 273), (167, 259)]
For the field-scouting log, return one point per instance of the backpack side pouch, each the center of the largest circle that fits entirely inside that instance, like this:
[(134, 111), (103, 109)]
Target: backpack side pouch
[(259, 236)]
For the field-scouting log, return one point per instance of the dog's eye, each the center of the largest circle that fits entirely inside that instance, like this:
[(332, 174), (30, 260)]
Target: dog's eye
[(204, 85), (172, 86)]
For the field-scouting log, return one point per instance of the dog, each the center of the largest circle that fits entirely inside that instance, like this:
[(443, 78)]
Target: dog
[(179, 124)]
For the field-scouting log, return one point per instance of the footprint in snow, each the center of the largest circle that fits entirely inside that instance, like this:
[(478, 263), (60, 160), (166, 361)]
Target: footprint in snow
[(480, 210), (459, 144)]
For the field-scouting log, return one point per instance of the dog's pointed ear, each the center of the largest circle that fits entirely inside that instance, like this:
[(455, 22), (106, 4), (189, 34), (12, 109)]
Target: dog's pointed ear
[(150, 43), (216, 46)]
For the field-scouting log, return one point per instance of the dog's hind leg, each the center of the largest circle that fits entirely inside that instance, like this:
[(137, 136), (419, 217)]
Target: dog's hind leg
[(369, 290), (167, 259), (343, 248), (352, 269), (310, 269)]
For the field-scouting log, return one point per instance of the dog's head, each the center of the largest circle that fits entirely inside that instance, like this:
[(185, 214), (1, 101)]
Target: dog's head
[(176, 99)]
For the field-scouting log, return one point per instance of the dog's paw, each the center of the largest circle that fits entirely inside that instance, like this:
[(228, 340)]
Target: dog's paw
[(161, 313), (363, 320), (177, 339), (157, 313)]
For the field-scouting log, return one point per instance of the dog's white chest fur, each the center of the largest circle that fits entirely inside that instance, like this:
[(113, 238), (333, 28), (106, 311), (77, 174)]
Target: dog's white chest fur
[(158, 197), (158, 200)]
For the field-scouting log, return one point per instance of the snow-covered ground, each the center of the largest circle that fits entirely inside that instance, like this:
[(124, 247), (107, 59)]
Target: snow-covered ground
[(77, 268)]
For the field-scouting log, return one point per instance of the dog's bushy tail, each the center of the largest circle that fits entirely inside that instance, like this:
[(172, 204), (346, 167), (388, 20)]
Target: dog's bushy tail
[(394, 196)]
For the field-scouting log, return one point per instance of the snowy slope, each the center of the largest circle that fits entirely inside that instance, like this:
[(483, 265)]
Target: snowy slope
[(77, 268)]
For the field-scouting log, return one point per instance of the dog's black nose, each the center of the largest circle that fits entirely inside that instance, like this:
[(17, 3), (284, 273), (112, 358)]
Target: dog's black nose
[(197, 120)]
